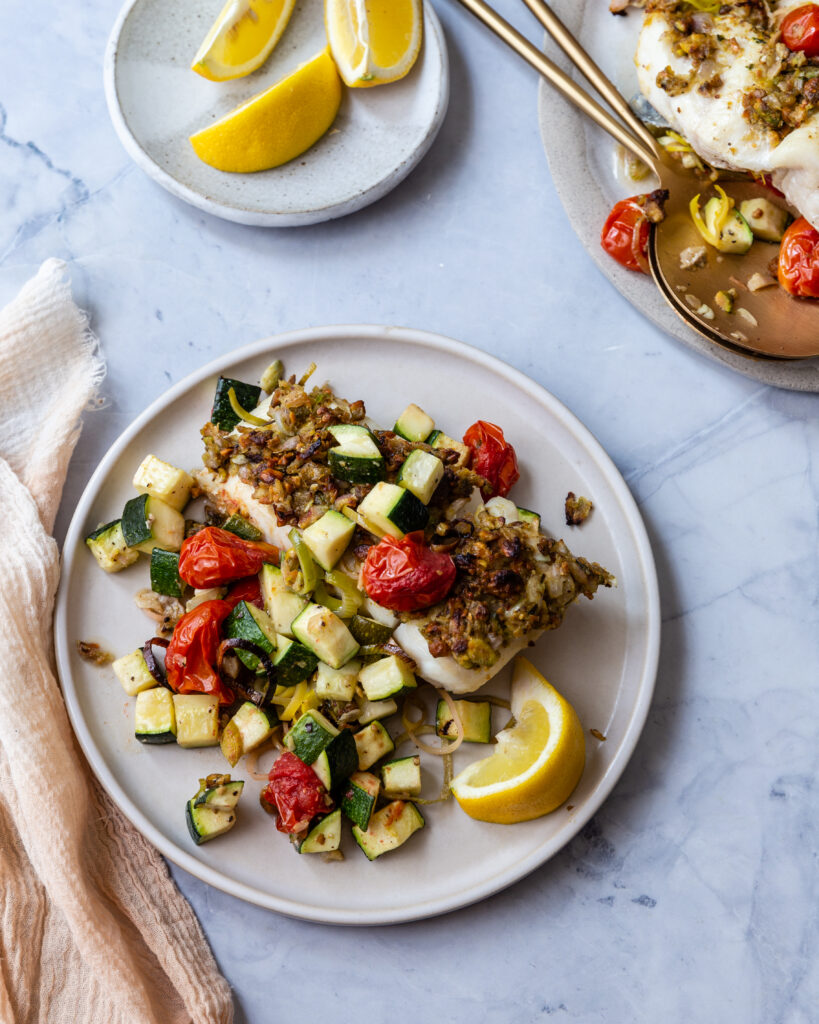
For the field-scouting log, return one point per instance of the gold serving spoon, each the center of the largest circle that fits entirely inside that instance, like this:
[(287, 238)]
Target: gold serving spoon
[(767, 323)]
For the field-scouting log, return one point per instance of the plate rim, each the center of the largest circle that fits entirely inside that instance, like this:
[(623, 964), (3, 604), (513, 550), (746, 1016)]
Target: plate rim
[(563, 132), (639, 711), (258, 218)]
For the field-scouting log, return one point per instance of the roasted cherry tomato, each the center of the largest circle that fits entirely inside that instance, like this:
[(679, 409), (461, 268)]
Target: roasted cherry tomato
[(191, 654), (296, 792), (406, 575), (799, 260), (625, 235), (213, 557), (245, 590), (800, 30), (493, 457)]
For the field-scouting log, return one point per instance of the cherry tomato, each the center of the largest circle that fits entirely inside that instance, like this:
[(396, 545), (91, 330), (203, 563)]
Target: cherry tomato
[(213, 557), (245, 590), (297, 793), (800, 30), (799, 260), (191, 654), (625, 235), (492, 457), (406, 575)]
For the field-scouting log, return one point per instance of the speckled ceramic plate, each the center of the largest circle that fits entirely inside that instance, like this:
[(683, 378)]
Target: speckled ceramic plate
[(603, 658), (156, 102), (582, 161)]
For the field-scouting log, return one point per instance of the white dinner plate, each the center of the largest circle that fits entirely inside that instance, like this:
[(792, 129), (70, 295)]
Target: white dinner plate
[(156, 102), (583, 166), (603, 658)]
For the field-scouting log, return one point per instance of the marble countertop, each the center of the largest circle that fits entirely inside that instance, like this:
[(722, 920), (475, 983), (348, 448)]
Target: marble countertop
[(693, 891)]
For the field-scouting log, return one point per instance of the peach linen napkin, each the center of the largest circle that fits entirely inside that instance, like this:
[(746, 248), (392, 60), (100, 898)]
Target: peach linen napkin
[(92, 928)]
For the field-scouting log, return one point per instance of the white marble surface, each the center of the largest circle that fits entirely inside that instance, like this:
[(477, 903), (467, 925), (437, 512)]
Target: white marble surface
[(692, 894)]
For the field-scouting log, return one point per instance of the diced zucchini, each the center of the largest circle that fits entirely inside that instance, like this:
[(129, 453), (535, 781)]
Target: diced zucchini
[(328, 537), (197, 719), (248, 729), (386, 677), (247, 395), (242, 527), (394, 510), (205, 823), (527, 516), (164, 481), (221, 797), (310, 735), (359, 797), (323, 632), (437, 439), (729, 228), (107, 545), (324, 835), (373, 742), (337, 683), (402, 777), (767, 220), (337, 761), (293, 661), (371, 710), (132, 671), (148, 523), (356, 458), (280, 603), (368, 631), (476, 719), (154, 716), (200, 596), (421, 473), (350, 433), (413, 424), (389, 828), (165, 577), (247, 622)]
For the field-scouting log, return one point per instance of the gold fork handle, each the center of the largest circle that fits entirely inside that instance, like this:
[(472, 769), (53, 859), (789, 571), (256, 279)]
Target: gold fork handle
[(591, 71), (559, 79)]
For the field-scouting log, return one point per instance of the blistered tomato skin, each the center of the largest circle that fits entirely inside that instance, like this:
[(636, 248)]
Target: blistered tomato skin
[(625, 235), (493, 457), (214, 557), (798, 270), (190, 659), (295, 790), (800, 30), (405, 575)]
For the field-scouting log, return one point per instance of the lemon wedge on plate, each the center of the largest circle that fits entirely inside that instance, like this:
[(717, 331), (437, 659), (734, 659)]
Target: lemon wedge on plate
[(242, 38), (537, 762), (373, 41), (276, 125)]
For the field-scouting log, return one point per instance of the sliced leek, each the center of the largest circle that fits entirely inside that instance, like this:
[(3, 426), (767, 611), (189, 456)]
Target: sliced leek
[(310, 573)]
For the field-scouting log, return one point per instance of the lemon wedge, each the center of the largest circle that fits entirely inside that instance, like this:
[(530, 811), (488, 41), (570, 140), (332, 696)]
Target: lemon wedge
[(537, 762), (276, 125), (373, 41), (242, 38)]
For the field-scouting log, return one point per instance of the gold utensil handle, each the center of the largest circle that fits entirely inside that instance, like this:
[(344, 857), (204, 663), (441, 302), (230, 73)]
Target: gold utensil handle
[(559, 79), (591, 71)]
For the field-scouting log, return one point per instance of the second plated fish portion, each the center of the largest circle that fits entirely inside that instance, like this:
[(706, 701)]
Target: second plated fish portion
[(722, 75)]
